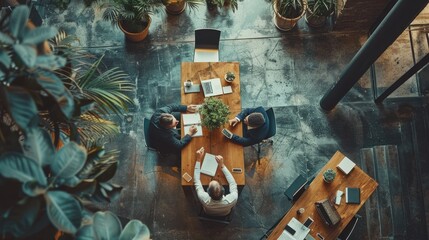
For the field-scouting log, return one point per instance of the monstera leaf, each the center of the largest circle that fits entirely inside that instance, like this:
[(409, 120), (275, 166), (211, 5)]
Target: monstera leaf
[(64, 211)]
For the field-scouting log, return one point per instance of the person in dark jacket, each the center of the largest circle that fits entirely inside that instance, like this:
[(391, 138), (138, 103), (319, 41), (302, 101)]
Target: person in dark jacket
[(255, 128), (163, 131)]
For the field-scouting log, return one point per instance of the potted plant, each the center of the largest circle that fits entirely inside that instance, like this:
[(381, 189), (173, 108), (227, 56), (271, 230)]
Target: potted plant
[(329, 175), (318, 11), (212, 4), (178, 6), (287, 13), (132, 16), (214, 113), (229, 77)]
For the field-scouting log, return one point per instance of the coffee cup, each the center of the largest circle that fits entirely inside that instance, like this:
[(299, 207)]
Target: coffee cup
[(188, 83)]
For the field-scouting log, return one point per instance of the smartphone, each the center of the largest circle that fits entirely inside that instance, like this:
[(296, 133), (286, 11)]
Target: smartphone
[(320, 236), (187, 177), (237, 170), (308, 222), (290, 230), (227, 133)]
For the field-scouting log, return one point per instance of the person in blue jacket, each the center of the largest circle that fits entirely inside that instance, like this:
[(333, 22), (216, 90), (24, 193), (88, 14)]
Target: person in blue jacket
[(255, 127), (163, 128)]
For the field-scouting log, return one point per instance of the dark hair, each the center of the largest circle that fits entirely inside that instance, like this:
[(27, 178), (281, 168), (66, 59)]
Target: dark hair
[(165, 120), (255, 119), (216, 192)]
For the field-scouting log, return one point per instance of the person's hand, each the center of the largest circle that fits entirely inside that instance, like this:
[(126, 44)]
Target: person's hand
[(192, 130), (233, 122), (200, 154), (191, 108), (219, 160)]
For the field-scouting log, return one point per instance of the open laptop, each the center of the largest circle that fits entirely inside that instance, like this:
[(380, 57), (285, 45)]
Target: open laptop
[(212, 87)]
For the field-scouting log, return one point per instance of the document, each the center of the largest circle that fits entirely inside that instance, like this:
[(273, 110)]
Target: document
[(346, 165), (190, 119), (209, 165)]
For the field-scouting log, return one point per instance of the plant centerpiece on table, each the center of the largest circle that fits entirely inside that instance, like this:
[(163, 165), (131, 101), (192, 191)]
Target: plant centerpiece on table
[(229, 76), (288, 12), (318, 11), (329, 175), (214, 113), (213, 4), (132, 16), (178, 6)]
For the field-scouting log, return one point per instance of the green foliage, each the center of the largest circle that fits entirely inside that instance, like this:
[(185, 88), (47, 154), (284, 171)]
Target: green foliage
[(214, 113), (192, 4), (322, 7), (222, 3), (230, 76), (289, 8), (329, 175), (134, 14)]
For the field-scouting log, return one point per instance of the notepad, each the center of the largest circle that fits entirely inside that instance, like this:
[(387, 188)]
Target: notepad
[(190, 119), (353, 195), (346, 165), (209, 165)]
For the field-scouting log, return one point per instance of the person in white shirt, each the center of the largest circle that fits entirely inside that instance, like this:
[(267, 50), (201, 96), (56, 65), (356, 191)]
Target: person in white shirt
[(214, 201)]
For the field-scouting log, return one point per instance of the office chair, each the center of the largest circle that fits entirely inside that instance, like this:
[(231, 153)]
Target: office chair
[(271, 131), (348, 230), (297, 188), (206, 45), (219, 219), (149, 145)]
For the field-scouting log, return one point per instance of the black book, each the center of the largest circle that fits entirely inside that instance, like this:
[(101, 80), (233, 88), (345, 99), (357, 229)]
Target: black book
[(353, 195)]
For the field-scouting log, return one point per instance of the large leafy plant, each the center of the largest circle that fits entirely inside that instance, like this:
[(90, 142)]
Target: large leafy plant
[(43, 186), (214, 113)]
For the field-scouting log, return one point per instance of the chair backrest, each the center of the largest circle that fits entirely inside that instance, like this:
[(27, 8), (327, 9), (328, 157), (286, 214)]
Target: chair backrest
[(207, 38), (146, 125), (272, 120), (296, 189), (219, 219), (348, 230)]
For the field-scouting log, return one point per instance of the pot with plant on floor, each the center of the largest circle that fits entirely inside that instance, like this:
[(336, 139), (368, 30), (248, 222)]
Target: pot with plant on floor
[(329, 175), (214, 113), (318, 11), (287, 13), (132, 16), (213, 4), (176, 7)]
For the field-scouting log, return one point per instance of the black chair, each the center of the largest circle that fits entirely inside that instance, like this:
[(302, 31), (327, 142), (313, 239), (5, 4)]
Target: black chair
[(271, 131), (296, 189), (219, 219), (149, 145), (207, 45), (348, 230)]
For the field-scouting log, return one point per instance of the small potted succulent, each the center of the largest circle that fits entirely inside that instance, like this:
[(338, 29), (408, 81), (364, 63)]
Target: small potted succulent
[(214, 113), (229, 76), (329, 175)]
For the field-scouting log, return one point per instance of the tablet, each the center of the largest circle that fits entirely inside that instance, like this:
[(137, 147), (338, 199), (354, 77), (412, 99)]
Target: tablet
[(227, 133)]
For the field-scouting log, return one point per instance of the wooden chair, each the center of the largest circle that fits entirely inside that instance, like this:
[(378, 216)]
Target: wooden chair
[(207, 45)]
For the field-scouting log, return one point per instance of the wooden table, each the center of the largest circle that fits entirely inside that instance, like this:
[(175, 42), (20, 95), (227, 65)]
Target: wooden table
[(319, 190), (213, 141)]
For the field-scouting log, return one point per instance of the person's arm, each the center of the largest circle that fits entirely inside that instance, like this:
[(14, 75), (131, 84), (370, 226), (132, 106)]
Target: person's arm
[(203, 196), (233, 191), (245, 141), (178, 144)]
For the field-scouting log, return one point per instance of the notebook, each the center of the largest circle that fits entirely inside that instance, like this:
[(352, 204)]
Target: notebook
[(209, 165), (346, 165), (353, 195), (190, 119), (212, 87)]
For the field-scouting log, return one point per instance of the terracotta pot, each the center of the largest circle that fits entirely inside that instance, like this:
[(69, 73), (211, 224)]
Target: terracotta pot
[(283, 23), (136, 37), (314, 20), (176, 8)]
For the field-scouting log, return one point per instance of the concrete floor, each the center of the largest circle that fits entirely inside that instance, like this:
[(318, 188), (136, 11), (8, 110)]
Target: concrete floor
[(289, 72)]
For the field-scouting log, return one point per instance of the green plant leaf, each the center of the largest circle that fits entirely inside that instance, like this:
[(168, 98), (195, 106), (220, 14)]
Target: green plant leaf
[(106, 225), (85, 233), (64, 211), (33, 189), (18, 20), (5, 59), (51, 83), (22, 107), (21, 217), (69, 182), (38, 145), (51, 62), (135, 230), (39, 34), (4, 38), (26, 54), (69, 160), (17, 166)]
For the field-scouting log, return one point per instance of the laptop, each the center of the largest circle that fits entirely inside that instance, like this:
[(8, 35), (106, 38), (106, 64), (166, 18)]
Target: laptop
[(295, 230), (212, 87)]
